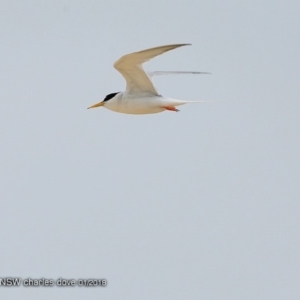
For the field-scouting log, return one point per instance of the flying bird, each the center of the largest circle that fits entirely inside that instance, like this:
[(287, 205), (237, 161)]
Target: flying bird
[(141, 97)]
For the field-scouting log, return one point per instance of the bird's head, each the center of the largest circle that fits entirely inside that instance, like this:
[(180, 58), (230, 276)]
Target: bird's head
[(108, 97)]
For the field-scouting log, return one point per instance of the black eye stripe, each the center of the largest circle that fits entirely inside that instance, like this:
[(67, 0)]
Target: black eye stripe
[(109, 96)]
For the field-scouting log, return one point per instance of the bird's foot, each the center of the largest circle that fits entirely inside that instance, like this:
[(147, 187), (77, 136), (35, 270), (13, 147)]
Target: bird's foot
[(172, 108)]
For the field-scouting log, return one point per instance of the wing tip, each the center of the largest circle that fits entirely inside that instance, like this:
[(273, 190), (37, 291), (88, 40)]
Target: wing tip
[(185, 44)]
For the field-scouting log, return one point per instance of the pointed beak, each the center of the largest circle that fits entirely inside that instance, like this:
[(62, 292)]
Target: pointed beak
[(96, 105)]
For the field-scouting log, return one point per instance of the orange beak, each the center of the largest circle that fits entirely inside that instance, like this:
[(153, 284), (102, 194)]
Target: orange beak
[(97, 105)]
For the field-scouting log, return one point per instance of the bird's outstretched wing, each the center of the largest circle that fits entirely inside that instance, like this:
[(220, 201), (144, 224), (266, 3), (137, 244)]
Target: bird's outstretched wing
[(130, 66), (157, 73)]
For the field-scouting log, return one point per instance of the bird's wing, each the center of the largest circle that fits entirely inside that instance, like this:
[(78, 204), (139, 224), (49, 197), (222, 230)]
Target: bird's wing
[(130, 66), (157, 73)]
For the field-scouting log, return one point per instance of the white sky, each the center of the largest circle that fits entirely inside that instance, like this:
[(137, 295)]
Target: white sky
[(201, 204)]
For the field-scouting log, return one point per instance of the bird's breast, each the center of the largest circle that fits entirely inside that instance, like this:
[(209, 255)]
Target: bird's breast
[(135, 105)]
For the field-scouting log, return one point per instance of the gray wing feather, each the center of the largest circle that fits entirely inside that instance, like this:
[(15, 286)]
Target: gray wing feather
[(130, 66), (158, 73)]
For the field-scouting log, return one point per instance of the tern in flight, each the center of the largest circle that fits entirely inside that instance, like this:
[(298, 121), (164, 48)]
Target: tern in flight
[(141, 97)]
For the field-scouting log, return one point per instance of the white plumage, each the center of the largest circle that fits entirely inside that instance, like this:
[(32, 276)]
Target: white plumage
[(141, 97)]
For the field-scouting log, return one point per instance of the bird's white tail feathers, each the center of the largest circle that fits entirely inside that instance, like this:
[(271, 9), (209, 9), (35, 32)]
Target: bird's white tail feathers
[(179, 102), (196, 101), (182, 102)]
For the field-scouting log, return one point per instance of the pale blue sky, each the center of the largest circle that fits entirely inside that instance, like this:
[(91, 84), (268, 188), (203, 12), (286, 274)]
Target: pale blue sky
[(201, 204)]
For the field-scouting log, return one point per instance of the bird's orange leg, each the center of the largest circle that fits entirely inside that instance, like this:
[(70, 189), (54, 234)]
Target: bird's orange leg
[(172, 108)]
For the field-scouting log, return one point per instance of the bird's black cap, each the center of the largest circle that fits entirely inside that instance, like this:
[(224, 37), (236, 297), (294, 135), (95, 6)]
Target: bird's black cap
[(109, 96)]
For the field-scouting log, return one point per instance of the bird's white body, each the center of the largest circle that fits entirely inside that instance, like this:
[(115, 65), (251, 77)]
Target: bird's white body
[(141, 97), (129, 103)]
